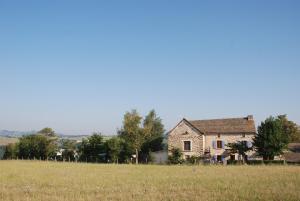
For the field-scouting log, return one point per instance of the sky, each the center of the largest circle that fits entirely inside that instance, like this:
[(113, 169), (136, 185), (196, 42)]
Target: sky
[(78, 66)]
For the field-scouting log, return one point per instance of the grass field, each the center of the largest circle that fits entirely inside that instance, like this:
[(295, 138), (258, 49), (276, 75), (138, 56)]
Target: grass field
[(7, 140), (45, 181)]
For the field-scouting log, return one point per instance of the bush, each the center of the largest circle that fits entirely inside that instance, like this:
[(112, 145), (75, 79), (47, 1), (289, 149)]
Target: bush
[(175, 157), (2, 151)]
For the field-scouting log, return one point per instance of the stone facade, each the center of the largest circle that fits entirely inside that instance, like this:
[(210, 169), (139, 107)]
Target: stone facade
[(212, 144), (185, 132)]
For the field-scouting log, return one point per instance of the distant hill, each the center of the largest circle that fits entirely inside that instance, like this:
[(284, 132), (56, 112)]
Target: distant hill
[(17, 134), (7, 133)]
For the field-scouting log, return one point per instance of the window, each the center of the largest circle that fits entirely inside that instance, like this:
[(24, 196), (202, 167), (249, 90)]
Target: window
[(187, 145), (219, 144), (232, 157), (219, 158)]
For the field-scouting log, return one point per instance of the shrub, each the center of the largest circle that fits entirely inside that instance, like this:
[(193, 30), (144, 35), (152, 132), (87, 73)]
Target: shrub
[(175, 157)]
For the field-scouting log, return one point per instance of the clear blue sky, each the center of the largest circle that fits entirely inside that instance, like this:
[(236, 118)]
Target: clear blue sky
[(78, 66)]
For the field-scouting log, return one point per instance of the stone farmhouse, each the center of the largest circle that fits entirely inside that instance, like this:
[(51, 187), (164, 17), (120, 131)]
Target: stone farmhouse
[(208, 138)]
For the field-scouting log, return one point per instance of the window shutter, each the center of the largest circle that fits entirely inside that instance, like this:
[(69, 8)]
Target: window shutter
[(223, 158), (215, 158), (214, 144), (223, 144), (249, 144)]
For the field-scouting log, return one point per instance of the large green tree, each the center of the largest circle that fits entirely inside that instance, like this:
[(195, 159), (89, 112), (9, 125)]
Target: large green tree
[(241, 148), (271, 138), (36, 146), (290, 129), (142, 136), (132, 132), (153, 130), (114, 147), (92, 148)]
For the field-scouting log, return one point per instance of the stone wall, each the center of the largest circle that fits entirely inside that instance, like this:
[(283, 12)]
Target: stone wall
[(184, 132), (227, 138), (204, 142)]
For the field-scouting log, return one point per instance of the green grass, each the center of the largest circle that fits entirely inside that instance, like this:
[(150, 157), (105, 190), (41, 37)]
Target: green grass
[(45, 181)]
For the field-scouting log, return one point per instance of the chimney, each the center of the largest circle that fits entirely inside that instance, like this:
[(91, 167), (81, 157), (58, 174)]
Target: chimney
[(250, 117)]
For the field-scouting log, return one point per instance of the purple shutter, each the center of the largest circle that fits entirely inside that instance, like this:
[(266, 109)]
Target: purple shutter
[(215, 158), (223, 144), (249, 144), (214, 144), (223, 158)]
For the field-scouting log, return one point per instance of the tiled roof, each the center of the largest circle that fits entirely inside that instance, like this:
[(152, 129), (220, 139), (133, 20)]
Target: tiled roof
[(233, 125)]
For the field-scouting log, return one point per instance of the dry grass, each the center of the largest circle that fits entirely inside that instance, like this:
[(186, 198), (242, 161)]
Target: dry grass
[(7, 140), (25, 180)]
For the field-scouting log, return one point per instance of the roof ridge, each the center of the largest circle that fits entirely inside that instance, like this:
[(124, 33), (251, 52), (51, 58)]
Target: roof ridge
[(219, 119)]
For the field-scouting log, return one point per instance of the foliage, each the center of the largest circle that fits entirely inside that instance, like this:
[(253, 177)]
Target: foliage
[(92, 148), (151, 145), (290, 128), (176, 156), (296, 137), (69, 149), (194, 160), (36, 146), (114, 147), (131, 132), (153, 130), (48, 132), (11, 151), (2, 151), (271, 138), (142, 139), (241, 148)]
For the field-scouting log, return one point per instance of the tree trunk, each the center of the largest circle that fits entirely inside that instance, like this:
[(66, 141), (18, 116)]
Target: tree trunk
[(136, 156)]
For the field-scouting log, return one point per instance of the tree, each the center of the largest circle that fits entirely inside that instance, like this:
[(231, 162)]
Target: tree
[(153, 131), (48, 132), (92, 148), (271, 138), (241, 148), (132, 133), (176, 156), (296, 137), (36, 146), (114, 148), (69, 149), (290, 128), (11, 151)]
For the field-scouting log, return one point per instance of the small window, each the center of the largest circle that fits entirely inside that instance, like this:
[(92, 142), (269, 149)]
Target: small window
[(219, 144), (232, 157), (187, 145), (219, 158)]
